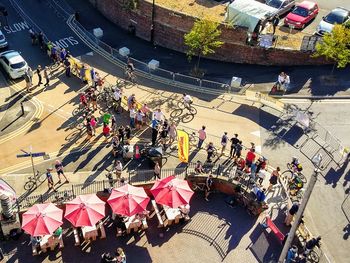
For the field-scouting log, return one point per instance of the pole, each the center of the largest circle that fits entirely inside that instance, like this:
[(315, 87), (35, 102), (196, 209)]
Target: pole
[(298, 216), (31, 159), (152, 21)]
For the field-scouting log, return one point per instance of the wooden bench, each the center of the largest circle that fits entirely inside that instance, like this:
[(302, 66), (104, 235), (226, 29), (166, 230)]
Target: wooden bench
[(102, 230), (159, 217), (274, 229), (76, 237)]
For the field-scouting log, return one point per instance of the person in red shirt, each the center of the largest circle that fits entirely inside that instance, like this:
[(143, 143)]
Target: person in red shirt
[(106, 130), (250, 157)]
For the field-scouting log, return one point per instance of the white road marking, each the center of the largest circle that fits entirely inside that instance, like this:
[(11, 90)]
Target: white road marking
[(256, 133)]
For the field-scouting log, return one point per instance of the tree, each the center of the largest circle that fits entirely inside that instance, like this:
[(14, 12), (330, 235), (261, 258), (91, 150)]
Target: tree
[(202, 39), (335, 46)]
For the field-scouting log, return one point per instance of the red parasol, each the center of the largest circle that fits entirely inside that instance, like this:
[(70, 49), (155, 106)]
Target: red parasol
[(85, 210), (128, 200), (172, 192), (42, 219)]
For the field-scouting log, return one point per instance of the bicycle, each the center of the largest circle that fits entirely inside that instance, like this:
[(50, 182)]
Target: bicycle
[(130, 78), (188, 116), (292, 169), (199, 187), (34, 180), (54, 65)]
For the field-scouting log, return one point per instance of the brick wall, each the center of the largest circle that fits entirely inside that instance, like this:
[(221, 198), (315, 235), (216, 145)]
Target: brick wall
[(170, 27)]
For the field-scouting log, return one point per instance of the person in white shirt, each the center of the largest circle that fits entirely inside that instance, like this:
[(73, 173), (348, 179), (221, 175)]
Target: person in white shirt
[(132, 117), (187, 100), (283, 80), (118, 169), (118, 94), (158, 115)]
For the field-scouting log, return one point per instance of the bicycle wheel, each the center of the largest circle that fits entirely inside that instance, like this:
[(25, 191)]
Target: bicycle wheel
[(302, 178), (176, 113), (187, 118), (76, 111), (128, 84), (79, 124), (193, 140), (192, 111), (29, 185), (314, 256), (180, 105)]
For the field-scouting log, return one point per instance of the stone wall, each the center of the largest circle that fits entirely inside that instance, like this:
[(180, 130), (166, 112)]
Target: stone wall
[(170, 27)]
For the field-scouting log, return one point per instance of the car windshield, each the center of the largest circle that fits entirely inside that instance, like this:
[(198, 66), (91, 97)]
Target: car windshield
[(275, 3), (334, 18), (300, 11), (18, 65)]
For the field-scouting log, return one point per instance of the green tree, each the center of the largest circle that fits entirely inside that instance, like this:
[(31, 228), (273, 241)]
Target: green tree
[(203, 39), (335, 46)]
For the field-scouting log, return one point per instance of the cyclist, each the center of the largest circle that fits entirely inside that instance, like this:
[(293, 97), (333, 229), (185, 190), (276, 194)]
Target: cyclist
[(311, 244), (83, 100), (129, 69), (187, 100), (118, 93), (296, 165)]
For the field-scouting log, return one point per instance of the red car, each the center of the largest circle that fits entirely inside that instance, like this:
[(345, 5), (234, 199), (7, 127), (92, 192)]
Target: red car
[(302, 14)]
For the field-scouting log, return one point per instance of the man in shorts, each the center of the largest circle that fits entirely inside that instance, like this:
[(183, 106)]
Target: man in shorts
[(50, 179), (59, 170)]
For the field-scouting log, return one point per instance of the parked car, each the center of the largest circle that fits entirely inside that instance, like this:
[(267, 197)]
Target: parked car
[(338, 15), (13, 63), (3, 42), (283, 6), (302, 14)]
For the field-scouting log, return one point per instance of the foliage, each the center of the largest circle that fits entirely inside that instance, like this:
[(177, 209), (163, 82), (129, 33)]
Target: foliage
[(203, 39), (335, 46), (130, 4)]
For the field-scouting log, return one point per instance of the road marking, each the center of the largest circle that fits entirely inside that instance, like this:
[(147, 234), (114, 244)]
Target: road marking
[(256, 133), (36, 116), (323, 101)]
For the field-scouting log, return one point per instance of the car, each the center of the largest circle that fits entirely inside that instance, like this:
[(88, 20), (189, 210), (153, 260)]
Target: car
[(3, 42), (13, 63), (283, 6), (302, 14), (338, 15)]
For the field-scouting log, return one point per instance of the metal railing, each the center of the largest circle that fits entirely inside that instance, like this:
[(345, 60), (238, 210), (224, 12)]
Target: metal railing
[(141, 68)]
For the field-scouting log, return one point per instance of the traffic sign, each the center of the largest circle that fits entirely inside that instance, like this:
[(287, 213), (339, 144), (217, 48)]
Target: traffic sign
[(38, 154), (33, 154), (23, 155)]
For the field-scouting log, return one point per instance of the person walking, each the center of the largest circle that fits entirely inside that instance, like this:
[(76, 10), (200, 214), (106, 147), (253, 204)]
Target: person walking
[(154, 135), (224, 140), (250, 157), (59, 170), (172, 133), (208, 186), (38, 72), (118, 169), (156, 171), (27, 80), (139, 119), (238, 150), (158, 115), (106, 131), (132, 117), (290, 214), (93, 123), (121, 134), (46, 76), (275, 22), (210, 152), (50, 182), (67, 67), (274, 178), (234, 140), (202, 135)]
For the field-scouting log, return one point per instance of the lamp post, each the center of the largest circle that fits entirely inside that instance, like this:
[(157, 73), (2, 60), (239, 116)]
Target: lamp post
[(317, 159), (152, 21)]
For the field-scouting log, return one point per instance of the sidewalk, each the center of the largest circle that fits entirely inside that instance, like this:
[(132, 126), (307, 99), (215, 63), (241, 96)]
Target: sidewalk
[(306, 81)]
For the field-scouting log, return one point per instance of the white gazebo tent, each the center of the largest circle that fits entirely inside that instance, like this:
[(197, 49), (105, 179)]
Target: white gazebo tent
[(248, 13)]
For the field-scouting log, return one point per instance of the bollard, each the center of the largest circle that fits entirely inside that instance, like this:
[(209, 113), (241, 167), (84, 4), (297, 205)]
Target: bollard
[(22, 108)]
